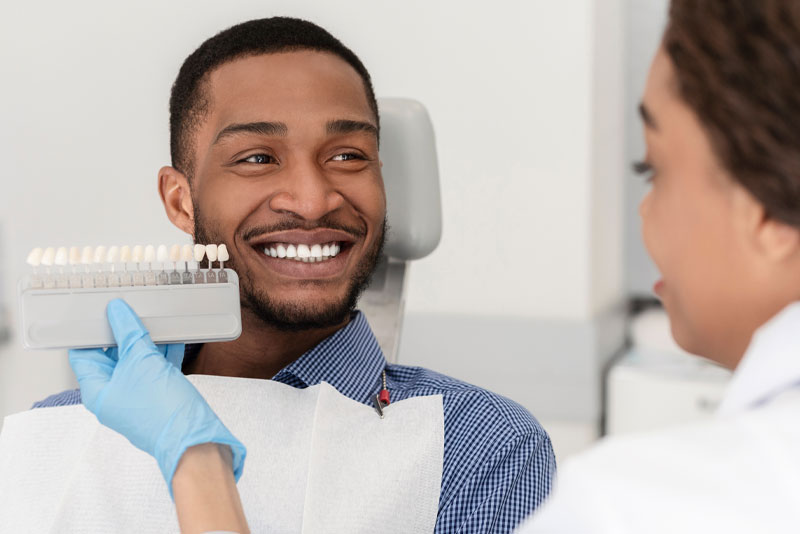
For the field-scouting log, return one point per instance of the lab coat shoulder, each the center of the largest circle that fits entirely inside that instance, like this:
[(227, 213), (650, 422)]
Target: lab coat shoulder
[(737, 474)]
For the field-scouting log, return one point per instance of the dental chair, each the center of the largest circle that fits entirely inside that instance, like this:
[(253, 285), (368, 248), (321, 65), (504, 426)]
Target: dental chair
[(411, 176)]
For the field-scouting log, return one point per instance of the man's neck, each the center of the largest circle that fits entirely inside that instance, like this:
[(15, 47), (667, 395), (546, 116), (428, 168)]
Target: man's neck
[(260, 352)]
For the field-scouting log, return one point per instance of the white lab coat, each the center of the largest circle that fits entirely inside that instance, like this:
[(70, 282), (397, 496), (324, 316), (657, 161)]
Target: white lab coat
[(737, 474)]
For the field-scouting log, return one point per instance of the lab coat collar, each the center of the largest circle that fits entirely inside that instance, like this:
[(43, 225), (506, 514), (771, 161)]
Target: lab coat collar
[(351, 360), (770, 365)]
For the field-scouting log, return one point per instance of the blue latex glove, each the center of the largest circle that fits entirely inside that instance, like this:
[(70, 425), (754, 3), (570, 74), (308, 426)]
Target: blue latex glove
[(138, 389)]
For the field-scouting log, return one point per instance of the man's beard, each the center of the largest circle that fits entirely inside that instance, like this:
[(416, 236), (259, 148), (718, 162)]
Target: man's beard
[(295, 316)]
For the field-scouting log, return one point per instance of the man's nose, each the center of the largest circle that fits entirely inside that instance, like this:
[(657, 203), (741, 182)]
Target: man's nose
[(306, 192)]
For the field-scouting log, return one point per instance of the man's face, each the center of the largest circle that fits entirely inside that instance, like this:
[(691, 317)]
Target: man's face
[(286, 164)]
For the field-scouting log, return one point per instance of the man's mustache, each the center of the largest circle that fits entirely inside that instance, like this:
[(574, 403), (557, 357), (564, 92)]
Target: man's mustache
[(283, 226)]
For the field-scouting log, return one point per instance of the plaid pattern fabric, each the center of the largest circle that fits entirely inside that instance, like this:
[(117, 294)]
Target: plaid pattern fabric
[(498, 461)]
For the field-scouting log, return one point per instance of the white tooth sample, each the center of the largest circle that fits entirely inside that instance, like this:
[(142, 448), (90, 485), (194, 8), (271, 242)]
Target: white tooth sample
[(162, 254), (87, 254), (35, 257), (61, 256), (48, 256), (99, 254), (291, 251), (326, 250), (175, 253), (199, 253), (316, 251), (113, 255), (137, 254), (125, 254), (273, 252), (74, 255), (303, 251), (222, 253), (211, 252), (281, 250), (187, 253), (149, 253)]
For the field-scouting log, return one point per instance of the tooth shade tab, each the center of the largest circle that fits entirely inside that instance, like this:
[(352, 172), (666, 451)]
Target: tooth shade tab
[(74, 255), (211, 252), (187, 253), (150, 253), (137, 255), (87, 254), (222, 253), (125, 254), (48, 256), (100, 254), (199, 253), (35, 257), (175, 253), (162, 254), (113, 255)]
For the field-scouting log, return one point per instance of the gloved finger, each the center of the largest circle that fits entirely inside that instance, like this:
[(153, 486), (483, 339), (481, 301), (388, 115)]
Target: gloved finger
[(127, 327), (174, 354), (93, 369)]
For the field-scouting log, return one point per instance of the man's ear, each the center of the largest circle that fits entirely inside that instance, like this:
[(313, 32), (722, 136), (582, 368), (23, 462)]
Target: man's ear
[(173, 187)]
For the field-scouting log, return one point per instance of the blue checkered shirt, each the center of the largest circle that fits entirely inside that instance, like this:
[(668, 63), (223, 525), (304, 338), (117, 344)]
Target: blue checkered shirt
[(498, 461)]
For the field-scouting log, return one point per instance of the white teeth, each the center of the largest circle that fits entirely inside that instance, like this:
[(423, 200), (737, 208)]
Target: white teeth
[(175, 253), (326, 250), (303, 251), (291, 251), (211, 252), (87, 254), (273, 252), (137, 255), (316, 251), (74, 255), (113, 254), (281, 250), (162, 253), (149, 253), (100, 254), (48, 256), (199, 252), (35, 257), (187, 252), (61, 256)]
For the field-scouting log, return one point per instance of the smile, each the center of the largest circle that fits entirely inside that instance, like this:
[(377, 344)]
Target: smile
[(304, 252)]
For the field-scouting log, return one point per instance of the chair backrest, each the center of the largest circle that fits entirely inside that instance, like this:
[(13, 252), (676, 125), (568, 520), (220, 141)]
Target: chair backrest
[(414, 211)]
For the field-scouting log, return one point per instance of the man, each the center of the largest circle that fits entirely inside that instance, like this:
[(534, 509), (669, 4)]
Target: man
[(274, 138)]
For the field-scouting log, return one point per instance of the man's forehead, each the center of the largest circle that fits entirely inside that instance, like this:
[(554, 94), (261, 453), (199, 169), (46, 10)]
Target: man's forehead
[(287, 86)]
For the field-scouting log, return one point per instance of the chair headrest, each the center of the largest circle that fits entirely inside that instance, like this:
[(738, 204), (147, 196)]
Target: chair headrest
[(411, 176)]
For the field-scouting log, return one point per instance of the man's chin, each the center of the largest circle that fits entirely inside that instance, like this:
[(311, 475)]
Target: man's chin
[(299, 314)]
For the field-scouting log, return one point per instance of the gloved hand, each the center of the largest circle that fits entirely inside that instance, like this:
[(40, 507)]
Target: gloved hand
[(138, 389)]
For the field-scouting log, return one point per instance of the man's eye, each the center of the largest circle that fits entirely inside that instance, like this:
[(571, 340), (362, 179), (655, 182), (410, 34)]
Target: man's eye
[(262, 159), (349, 156)]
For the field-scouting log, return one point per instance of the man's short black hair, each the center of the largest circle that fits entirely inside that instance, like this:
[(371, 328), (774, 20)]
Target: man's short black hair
[(188, 103)]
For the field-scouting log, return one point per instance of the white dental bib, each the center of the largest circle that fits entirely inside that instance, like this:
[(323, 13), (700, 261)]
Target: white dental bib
[(317, 462)]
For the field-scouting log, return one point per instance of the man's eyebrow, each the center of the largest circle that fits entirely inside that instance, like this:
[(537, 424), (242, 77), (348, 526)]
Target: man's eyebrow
[(261, 128), (344, 126), (647, 117)]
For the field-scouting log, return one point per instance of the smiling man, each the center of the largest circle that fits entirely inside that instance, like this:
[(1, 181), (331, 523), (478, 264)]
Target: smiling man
[(274, 138)]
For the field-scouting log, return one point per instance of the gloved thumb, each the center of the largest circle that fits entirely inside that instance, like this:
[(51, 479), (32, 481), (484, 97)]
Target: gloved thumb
[(93, 369), (127, 327)]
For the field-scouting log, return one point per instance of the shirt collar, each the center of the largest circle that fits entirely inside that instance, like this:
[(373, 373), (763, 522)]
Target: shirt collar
[(350, 360), (770, 366)]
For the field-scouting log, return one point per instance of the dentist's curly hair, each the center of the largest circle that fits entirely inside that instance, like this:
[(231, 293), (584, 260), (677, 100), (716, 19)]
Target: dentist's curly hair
[(737, 65), (189, 102)]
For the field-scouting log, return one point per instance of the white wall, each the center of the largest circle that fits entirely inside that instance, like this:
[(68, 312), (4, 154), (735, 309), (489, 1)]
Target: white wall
[(511, 87)]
